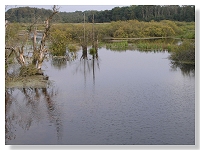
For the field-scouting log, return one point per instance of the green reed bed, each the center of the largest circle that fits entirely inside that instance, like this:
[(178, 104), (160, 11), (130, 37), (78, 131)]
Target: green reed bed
[(155, 46), (122, 45)]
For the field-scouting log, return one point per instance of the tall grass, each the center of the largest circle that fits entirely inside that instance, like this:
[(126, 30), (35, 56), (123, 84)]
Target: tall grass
[(122, 45), (158, 44), (155, 46)]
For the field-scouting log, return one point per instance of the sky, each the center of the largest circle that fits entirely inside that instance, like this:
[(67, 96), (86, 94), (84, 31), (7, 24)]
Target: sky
[(78, 5)]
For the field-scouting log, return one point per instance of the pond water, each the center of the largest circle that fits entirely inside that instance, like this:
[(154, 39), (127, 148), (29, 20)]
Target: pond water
[(113, 98)]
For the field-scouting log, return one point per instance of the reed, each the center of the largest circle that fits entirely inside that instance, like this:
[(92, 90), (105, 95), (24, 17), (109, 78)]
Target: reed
[(155, 46), (122, 45)]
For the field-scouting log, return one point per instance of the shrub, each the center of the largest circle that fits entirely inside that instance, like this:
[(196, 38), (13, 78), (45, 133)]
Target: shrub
[(184, 53), (59, 40)]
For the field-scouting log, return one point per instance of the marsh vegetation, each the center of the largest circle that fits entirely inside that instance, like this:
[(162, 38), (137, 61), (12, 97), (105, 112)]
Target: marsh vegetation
[(65, 39), (120, 82)]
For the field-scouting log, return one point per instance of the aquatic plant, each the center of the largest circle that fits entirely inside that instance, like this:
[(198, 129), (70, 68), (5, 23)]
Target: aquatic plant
[(59, 41), (184, 53), (72, 47), (92, 51), (28, 70), (122, 45), (153, 45)]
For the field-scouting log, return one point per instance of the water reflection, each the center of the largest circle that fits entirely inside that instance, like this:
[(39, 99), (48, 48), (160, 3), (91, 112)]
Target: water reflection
[(60, 62), (132, 104), (26, 106), (88, 64), (186, 69), (9, 125)]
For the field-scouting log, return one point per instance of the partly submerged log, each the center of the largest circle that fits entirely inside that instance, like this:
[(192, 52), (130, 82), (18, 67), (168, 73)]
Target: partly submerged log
[(142, 38)]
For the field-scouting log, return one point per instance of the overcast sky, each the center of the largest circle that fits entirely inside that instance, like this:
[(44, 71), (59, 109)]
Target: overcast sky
[(71, 5), (78, 5)]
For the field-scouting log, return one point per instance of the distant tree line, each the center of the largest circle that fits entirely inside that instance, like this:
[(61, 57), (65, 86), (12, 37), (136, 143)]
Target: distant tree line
[(27, 14), (133, 12), (147, 13)]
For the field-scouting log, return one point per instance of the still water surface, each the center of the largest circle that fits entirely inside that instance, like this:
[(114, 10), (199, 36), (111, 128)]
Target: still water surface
[(127, 97)]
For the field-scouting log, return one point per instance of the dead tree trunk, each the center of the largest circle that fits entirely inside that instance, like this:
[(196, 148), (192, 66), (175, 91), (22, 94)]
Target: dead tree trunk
[(18, 54), (38, 51), (6, 25), (21, 55), (35, 53), (34, 39), (42, 50)]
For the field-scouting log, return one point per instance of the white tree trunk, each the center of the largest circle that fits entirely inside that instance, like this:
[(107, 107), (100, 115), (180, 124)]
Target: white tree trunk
[(34, 39)]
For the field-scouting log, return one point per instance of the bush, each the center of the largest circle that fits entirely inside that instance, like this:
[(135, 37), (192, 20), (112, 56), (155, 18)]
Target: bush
[(184, 53), (59, 40)]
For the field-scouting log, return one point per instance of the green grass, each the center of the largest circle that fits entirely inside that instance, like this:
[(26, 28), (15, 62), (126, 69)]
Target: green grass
[(122, 45), (148, 45)]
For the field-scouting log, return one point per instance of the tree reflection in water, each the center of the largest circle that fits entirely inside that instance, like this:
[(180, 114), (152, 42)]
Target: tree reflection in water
[(26, 106), (186, 69), (60, 62), (87, 64)]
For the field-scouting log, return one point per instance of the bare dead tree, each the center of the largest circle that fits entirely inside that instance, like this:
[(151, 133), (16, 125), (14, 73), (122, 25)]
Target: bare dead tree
[(18, 53), (42, 49), (38, 52)]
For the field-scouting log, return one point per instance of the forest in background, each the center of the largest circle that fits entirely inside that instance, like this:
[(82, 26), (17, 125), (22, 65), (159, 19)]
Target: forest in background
[(133, 12)]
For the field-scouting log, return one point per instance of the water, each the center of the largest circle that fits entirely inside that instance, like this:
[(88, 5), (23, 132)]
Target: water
[(129, 97)]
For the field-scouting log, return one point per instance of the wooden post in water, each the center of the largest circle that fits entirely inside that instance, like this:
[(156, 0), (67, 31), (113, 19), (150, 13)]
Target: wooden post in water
[(84, 44), (93, 45), (94, 42), (84, 30)]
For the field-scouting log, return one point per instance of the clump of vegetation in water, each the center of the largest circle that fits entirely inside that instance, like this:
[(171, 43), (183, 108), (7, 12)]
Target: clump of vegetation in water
[(59, 40), (72, 47), (149, 46), (184, 53), (123, 45), (23, 71), (28, 70), (155, 46), (92, 51)]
